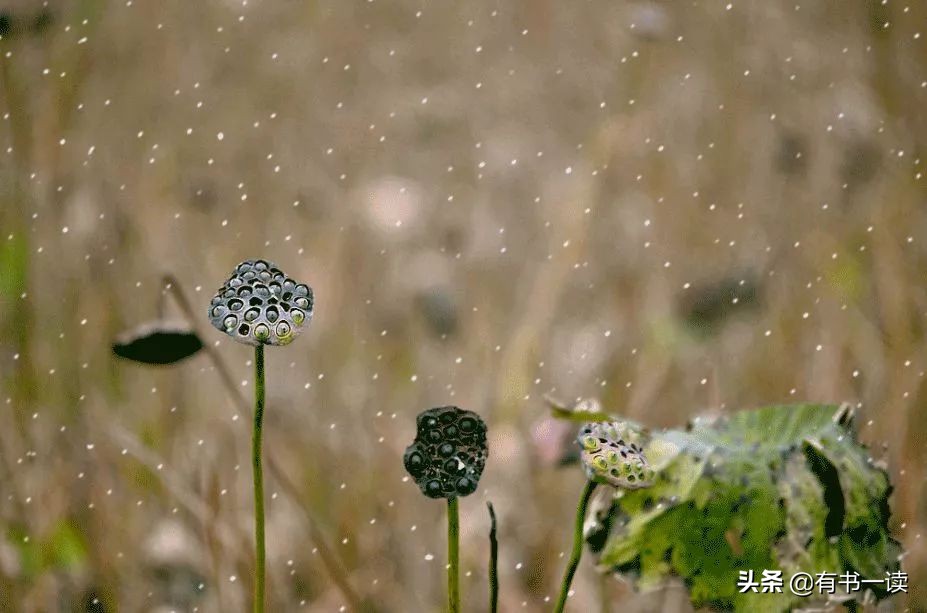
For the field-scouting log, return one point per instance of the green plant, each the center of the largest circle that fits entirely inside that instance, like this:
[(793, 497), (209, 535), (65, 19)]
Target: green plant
[(259, 305), (610, 455), (782, 488), (446, 460)]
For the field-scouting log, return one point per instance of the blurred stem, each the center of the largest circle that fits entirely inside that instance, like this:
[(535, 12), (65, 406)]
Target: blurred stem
[(258, 479), (493, 561), (14, 255), (453, 556), (172, 285), (577, 545), (604, 602)]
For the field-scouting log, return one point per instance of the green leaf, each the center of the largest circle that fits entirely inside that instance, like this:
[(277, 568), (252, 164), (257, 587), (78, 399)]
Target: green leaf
[(779, 488)]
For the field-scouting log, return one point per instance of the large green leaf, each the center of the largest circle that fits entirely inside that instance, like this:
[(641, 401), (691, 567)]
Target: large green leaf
[(780, 488)]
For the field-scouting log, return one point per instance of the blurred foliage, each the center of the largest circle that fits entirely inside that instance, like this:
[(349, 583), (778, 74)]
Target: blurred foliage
[(64, 548), (704, 309), (783, 487)]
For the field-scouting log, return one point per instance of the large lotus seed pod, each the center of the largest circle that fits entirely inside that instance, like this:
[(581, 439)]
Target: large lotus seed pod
[(449, 452), (259, 304), (608, 457)]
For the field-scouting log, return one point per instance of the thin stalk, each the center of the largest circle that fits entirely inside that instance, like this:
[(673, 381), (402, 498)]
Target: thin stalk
[(453, 556), (577, 545), (258, 479), (171, 284), (493, 562)]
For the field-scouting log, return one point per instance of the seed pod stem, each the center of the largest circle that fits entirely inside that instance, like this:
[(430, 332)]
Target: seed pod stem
[(577, 552), (453, 556), (258, 475)]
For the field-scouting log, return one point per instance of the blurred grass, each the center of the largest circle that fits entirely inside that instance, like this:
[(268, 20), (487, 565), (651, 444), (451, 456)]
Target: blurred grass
[(771, 142)]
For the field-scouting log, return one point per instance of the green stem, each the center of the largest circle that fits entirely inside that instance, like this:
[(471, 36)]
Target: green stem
[(258, 479), (493, 562), (453, 556), (577, 545)]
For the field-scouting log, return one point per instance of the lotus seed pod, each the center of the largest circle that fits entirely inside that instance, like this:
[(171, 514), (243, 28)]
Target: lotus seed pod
[(609, 458), (259, 304), (449, 452)]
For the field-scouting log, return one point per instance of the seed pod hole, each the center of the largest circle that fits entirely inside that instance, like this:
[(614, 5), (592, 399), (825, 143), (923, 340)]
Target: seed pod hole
[(272, 314)]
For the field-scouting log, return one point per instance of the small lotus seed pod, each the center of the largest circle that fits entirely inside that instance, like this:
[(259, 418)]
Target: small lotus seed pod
[(259, 304), (609, 458), (449, 452)]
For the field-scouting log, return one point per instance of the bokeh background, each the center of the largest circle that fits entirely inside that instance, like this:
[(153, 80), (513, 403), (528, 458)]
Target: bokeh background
[(677, 207)]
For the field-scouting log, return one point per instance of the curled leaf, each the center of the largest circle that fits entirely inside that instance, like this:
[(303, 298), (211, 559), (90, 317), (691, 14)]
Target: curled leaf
[(782, 487), (158, 342), (583, 411)]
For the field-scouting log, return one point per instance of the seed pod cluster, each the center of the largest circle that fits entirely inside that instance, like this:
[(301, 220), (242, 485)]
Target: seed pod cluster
[(608, 457), (260, 305), (449, 452)]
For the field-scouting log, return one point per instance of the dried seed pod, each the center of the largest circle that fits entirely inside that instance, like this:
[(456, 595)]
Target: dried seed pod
[(449, 452), (259, 304), (158, 342), (608, 456)]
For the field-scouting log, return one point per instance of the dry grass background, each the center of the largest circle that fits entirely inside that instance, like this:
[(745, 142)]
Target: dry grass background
[(492, 200)]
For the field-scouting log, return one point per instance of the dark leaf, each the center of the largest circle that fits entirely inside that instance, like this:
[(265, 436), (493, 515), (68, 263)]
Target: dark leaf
[(158, 342)]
